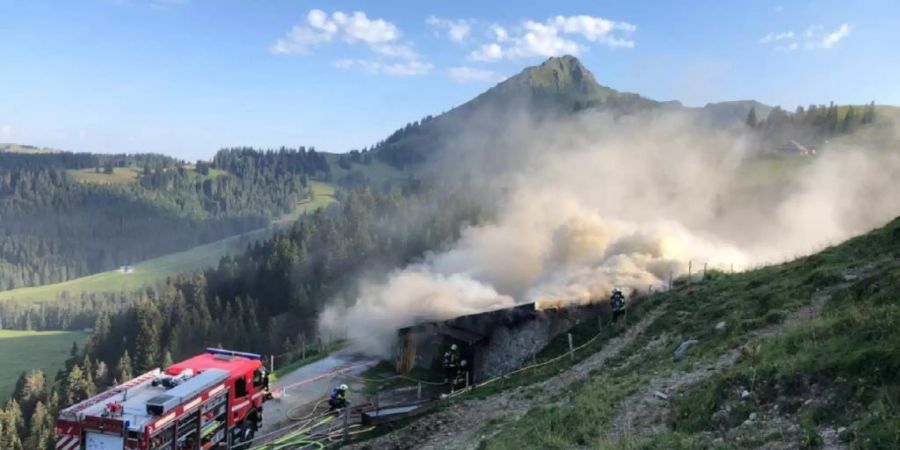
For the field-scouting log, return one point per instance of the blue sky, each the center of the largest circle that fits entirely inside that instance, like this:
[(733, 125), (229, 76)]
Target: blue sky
[(186, 77)]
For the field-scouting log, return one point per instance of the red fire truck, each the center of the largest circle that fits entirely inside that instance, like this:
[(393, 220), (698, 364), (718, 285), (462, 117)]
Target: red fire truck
[(211, 401)]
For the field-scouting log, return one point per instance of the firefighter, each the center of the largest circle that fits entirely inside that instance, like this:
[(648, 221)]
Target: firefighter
[(460, 379), (338, 397), (617, 300), (451, 363)]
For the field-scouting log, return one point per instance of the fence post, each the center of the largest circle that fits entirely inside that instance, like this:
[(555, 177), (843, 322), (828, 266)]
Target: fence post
[(690, 270), (271, 363), (571, 348), (346, 432), (670, 280), (419, 391), (704, 271)]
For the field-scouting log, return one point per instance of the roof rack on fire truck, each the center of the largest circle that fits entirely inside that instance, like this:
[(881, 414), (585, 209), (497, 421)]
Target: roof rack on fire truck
[(72, 412), (231, 353)]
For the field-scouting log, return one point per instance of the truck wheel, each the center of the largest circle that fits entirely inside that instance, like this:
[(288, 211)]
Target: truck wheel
[(246, 433)]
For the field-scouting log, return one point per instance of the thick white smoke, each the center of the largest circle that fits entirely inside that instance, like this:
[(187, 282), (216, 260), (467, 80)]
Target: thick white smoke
[(409, 296), (596, 203)]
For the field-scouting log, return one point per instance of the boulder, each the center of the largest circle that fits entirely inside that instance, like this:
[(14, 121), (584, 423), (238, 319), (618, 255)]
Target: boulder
[(683, 347)]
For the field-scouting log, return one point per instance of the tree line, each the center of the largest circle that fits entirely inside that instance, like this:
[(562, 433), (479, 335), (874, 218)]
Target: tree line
[(813, 124), (78, 161)]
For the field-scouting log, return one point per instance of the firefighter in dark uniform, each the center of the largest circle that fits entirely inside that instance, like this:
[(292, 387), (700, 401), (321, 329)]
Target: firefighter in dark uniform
[(338, 397), (451, 364), (617, 300)]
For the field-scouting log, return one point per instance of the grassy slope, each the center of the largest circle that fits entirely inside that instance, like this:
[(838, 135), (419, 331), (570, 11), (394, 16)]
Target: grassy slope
[(45, 350), (771, 169), (847, 360), (157, 269), (120, 175), (378, 171), (129, 175), (19, 148)]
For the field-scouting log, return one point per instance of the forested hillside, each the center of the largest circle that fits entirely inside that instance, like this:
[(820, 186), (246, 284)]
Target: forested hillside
[(265, 300), (57, 226)]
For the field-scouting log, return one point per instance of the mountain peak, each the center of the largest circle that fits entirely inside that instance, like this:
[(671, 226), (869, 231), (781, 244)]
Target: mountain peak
[(561, 74), (561, 77)]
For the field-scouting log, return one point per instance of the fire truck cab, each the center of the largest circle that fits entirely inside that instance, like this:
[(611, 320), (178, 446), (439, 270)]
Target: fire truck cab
[(211, 401)]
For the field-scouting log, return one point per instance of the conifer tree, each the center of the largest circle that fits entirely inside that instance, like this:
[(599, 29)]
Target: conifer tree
[(752, 119), (124, 370), (849, 124)]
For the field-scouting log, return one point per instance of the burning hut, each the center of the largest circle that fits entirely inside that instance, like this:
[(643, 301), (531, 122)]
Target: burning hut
[(493, 342)]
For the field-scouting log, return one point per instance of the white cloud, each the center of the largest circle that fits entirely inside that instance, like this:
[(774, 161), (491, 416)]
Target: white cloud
[(457, 30), (617, 42), (407, 69), (541, 40), (556, 36), (775, 37), (299, 39), (6, 130), (404, 51), (814, 37), (379, 36), (488, 52), (594, 29), (320, 28), (466, 74), (500, 33), (397, 69), (836, 36)]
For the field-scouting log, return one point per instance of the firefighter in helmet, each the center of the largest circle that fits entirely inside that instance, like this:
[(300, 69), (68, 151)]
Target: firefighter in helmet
[(338, 397), (617, 300), (451, 363)]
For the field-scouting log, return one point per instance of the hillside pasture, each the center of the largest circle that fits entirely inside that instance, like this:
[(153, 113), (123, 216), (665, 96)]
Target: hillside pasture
[(25, 350), (156, 270), (120, 176)]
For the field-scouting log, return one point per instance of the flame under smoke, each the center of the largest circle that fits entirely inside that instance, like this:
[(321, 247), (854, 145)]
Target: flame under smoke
[(596, 203)]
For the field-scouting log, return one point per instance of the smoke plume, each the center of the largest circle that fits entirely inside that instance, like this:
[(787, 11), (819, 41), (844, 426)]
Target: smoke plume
[(595, 202)]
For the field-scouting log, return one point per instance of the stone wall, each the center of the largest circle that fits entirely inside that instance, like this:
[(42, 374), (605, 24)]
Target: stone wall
[(509, 347), (506, 338)]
